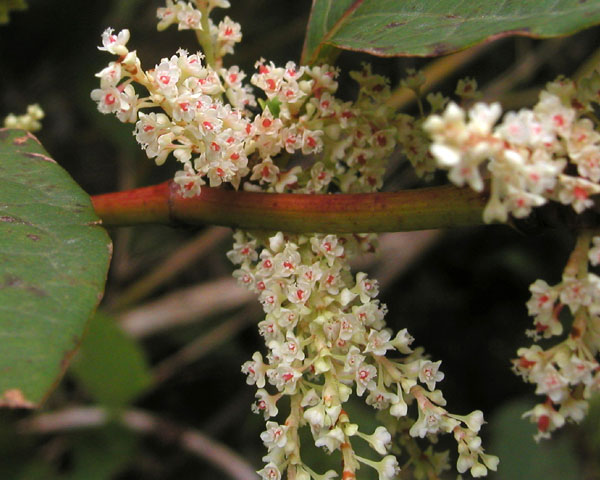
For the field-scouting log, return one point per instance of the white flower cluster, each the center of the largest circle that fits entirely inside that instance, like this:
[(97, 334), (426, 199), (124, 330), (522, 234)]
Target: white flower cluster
[(187, 16), (527, 155), (28, 121), (350, 141), (568, 373), (213, 139), (209, 137), (324, 328), (326, 337)]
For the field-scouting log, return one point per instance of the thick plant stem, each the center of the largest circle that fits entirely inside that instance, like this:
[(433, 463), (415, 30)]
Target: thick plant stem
[(407, 210)]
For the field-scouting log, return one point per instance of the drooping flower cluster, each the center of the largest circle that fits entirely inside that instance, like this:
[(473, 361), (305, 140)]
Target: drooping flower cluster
[(568, 373), (324, 329), (548, 153), (528, 155), (326, 338)]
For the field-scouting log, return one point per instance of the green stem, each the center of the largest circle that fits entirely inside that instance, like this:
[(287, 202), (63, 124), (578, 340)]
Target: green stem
[(408, 210), (205, 39), (578, 261)]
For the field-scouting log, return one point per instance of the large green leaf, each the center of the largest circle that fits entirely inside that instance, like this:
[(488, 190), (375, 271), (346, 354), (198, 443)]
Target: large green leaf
[(53, 262), (391, 28)]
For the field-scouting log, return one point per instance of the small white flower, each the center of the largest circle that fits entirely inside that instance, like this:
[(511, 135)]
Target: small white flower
[(330, 439), (577, 191), (109, 100), (284, 377), (429, 373), (575, 293), (389, 468), (381, 440), (551, 383), (270, 472), (255, 369), (110, 76), (265, 171), (381, 399), (431, 419), (574, 409), (167, 15), (274, 435), (364, 377), (166, 75), (402, 341), (379, 342), (354, 359), (115, 44), (482, 117), (328, 246), (474, 420), (399, 408), (542, 299), (229, 33), (265, 403), (365, 287)]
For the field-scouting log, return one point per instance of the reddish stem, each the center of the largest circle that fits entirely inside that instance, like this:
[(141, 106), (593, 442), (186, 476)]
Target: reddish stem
[(407, 210)]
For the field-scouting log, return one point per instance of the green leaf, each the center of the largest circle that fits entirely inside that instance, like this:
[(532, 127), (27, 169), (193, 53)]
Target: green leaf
[(111, 365), (54, 258), (391, 28)]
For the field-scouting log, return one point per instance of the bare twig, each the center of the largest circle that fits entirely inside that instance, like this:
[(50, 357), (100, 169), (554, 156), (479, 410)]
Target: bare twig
[(185, 306), (397, 251), (191, 440), (523, 70), (436, 72), (206, 343), (183, 257)]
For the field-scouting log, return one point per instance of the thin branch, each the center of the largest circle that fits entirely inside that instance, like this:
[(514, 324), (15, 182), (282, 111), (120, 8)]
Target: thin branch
[(140, 421), (436, 72), (205, 344), (404, 247), (184, 257), (185, 306), (522, 70), (407, 210)]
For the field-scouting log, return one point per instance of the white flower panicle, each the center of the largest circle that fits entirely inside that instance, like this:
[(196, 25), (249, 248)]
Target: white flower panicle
[(567, 373), (548, 153), (527, 155), (324, 329)]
